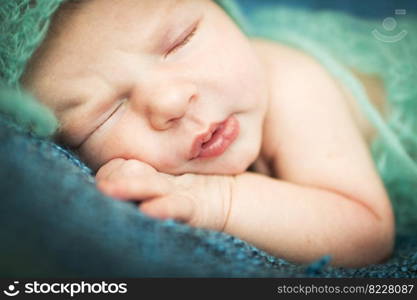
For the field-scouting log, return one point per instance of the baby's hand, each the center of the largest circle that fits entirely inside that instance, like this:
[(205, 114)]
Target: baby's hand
[(198, 200)]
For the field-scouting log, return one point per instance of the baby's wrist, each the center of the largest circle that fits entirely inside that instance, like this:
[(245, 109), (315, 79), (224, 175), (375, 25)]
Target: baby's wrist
[(212, 196)]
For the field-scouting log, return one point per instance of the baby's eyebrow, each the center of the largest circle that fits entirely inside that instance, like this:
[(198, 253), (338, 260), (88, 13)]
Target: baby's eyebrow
[(69, 103), (95, 82), (164, 31)]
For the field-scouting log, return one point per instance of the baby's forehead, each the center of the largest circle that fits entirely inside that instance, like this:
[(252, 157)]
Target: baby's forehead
[(141, 22), (86, 27), (121, 10)]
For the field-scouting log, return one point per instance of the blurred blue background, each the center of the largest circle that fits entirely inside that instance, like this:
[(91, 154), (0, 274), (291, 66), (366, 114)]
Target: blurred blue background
[(365, 8)]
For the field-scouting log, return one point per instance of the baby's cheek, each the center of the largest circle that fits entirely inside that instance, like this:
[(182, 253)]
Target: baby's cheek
[(238, 166), (166, 164), (90, 157)]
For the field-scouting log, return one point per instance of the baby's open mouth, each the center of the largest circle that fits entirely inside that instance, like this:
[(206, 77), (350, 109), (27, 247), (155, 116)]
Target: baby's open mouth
[(216, 140)]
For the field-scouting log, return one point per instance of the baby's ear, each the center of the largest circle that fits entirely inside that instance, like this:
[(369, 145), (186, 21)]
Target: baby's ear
[(31, 115)]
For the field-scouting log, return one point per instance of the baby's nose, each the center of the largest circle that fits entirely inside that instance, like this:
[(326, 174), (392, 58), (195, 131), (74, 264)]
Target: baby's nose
[(169, 105)]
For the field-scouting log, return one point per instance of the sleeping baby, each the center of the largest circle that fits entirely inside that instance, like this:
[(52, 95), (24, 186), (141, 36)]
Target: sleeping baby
[(175, 108)]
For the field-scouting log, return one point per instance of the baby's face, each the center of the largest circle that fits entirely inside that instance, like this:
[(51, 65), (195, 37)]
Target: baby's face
[(151, 80)]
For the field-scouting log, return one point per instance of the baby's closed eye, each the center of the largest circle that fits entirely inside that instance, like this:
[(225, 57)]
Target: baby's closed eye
[(111, 116), (183, 39)]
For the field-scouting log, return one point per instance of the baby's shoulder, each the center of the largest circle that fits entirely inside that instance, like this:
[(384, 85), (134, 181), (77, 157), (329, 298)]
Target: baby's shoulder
[(291, 71), (294, 77)]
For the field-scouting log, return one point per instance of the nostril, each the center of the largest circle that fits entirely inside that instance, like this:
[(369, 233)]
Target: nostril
[(173, 122), (176, 119)]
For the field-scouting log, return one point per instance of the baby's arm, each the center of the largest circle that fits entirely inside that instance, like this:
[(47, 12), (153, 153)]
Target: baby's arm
[(302, 223), (328, 198)]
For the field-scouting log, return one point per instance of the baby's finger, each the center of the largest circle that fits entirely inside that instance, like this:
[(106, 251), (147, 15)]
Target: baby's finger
[(135, 188), (123, 168), (171, 207)]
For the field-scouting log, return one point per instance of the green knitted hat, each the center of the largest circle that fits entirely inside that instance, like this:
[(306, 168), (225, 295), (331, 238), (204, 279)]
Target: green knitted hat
[(24, 25)]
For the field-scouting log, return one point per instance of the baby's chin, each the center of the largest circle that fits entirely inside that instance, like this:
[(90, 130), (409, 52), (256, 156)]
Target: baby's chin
[(229, 170), (223, 170), (229, 165)]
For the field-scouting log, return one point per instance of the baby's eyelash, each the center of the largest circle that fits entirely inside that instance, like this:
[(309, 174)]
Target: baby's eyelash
[(117, 108), (183, 42), (101, 124)]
